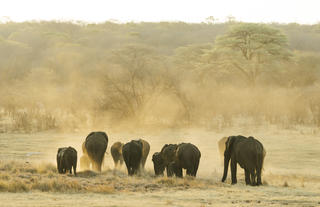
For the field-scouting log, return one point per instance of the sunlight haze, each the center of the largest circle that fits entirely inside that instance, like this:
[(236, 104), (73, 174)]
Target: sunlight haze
[(304, 12)]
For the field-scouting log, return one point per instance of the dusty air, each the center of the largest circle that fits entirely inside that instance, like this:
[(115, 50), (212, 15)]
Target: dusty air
[(159, 113)]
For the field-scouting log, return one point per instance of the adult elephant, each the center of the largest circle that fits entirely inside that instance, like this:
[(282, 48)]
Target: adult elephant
[(187, 156), (95, 147), (116, 152), (132, 155), (66, 160), (145, 152), (249, 154)]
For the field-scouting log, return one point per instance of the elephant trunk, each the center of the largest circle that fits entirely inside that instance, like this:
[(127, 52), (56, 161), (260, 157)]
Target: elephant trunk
[(226, 165)]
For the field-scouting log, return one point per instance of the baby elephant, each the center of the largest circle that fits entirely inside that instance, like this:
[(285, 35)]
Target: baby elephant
[(66, 159), (116, 152)]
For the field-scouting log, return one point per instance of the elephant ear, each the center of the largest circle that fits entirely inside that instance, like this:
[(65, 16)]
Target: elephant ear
[(59, 150), (230, 142), (140, 143), (156, 157), (166, 145)]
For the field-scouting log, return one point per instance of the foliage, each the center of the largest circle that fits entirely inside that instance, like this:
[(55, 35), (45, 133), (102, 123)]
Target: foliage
[(250, 48), (63, 75)]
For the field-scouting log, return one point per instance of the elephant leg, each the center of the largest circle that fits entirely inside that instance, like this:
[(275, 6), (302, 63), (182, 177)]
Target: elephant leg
[(75, 168), (136, 170), (189, 172), (253, 177), (179, 173), (196, 166), (99, 165), (247, 176), (128, 166), (133, 171), (233, 171), (259, 177), (168, 173)]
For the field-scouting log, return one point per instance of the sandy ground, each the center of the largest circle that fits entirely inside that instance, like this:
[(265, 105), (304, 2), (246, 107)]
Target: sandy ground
[(291, 173)]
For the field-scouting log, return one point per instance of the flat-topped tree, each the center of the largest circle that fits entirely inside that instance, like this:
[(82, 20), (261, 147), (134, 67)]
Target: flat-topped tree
[(252, 48)]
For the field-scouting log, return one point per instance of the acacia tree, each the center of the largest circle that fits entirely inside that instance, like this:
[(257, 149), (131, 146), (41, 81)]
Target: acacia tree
[(251, 48)]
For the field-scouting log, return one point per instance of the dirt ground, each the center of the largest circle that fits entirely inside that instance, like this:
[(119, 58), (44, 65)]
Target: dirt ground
[(291, 173)]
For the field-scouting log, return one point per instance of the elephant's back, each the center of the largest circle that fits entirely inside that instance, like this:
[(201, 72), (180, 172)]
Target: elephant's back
[(96, 140), (132, 148), (145, 147), (116, 149), (101, 136), (188, 149), (70, 155), (248, 148)]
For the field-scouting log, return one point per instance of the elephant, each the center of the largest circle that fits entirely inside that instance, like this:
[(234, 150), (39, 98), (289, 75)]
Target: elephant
[(162, 159), (116, 152), (66, 160), (145, 152), (85, 162), (132, 155), (158, 163), (249, 153), (95, 147), (187, 156)]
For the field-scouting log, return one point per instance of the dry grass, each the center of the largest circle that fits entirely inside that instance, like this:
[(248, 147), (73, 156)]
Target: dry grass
[(24, 177), (100, 189)]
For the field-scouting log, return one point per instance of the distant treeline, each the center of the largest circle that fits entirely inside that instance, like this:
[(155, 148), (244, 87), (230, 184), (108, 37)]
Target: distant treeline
[(77, 75)]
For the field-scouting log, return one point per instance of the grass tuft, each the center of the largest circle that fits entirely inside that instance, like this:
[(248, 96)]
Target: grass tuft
[(3, 186), (17, 186), (57, 185), (167, 181), (46, 168), (101, 189)]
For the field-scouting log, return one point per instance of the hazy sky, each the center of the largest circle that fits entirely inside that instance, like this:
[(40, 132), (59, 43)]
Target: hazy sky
[(284, 11)]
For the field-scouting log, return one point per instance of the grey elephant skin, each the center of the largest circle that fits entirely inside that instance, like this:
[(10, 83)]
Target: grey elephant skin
[(95, 147), (187, 156), (116, 153), (249, 153), (175, 157), (66, 160), (162, 159), (158, 164), (132, 155)]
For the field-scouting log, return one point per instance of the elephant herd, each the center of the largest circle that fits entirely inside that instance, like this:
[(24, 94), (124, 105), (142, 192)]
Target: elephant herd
[(248, 152)]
